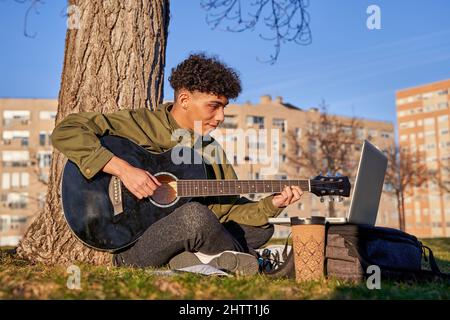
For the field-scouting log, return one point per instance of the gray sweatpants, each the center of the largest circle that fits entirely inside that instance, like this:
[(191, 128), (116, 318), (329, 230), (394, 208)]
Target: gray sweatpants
[(191, 227)]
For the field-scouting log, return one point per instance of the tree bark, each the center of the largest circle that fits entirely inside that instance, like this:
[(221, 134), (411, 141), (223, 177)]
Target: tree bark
[(114, 60), (331, 210), (401, 210)]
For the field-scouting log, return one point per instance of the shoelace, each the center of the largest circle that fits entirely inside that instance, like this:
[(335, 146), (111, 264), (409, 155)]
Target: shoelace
[(269, 260)]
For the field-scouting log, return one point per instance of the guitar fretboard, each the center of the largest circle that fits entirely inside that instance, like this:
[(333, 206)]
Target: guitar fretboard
[(195, 188)]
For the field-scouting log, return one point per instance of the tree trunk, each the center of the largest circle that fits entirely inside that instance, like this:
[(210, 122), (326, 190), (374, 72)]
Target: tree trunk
[(114, 60), (401, 212), (331, 209)]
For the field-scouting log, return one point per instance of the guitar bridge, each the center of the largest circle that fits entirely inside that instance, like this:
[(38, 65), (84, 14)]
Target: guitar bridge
[(115, 195)]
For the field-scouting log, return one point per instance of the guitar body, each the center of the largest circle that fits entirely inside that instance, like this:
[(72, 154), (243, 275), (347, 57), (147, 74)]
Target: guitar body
[(89, 207)]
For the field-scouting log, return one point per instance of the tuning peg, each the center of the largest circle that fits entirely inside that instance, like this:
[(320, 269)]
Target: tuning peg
[(329, 173), (330, 198), (322, 199), (340, 199), (338, 174)]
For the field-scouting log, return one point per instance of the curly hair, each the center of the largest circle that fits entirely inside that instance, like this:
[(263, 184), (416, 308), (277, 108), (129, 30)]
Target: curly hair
[(205, 74)]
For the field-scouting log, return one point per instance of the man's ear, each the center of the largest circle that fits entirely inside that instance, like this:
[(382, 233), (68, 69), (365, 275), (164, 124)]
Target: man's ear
[(183, 98)]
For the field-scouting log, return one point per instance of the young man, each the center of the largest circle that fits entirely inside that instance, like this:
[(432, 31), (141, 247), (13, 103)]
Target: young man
[(223, 231)]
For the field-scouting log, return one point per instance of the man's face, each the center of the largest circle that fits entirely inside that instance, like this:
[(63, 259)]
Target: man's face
[(205, 107)]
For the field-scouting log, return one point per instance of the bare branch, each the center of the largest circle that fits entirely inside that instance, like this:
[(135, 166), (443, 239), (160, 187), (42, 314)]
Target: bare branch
[(330, 145), (287, 20), (406, 170)]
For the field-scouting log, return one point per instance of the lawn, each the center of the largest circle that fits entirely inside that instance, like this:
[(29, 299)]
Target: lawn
[(21, 280)]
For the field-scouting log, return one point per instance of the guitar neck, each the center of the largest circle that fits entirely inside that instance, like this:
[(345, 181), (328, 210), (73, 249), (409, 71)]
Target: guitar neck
[(205, 188)]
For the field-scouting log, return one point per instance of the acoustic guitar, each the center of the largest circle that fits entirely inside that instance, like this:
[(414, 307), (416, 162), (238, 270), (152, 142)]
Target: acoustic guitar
[(104, 215)]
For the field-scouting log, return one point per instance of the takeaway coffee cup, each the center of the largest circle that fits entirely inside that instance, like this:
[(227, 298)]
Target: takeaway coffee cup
[(308, 240)]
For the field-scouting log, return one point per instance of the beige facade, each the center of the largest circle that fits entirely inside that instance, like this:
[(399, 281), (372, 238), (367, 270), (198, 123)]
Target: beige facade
[(25, 151), (287, 120), (424, 125)]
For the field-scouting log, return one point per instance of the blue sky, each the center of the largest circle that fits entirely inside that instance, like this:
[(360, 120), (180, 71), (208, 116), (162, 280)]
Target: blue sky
[(356, 70)]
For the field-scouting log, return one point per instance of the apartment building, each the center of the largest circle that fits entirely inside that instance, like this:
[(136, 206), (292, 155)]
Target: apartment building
[(424, 127), (287, 119), (25, 149)]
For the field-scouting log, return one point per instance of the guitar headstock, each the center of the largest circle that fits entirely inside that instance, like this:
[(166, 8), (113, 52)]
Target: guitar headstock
[(330, 186)]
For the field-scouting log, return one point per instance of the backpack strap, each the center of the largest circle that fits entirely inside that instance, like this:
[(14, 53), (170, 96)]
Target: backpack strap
[(286, 245), (433, 265)]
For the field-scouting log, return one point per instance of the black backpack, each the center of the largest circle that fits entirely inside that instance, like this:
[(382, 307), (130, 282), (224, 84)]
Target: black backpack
[(351, 249)]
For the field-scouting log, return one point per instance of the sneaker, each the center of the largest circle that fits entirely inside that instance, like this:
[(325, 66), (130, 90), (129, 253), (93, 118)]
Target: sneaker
[(231, 261)]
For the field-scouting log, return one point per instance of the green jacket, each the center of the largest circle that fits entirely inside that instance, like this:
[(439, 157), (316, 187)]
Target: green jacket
[(76, 137)]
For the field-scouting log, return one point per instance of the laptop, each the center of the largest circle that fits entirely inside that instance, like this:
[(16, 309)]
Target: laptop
[(366, 191)]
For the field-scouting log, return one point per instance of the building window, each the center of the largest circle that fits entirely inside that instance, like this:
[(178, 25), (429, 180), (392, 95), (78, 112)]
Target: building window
[(255, 120), (15, 158), (313, 127), (44, 159), (298, 132), (280, 123), (17, 200), (360, 133), (429, 122), (24, 142), (6, 180), (17, 222), (429, 108), (312, 146), (47, 115), (10, 116), (42, 138), (442, 105), (229, 122), (15, 179), (443, 118), (22, 135), (24, 179)]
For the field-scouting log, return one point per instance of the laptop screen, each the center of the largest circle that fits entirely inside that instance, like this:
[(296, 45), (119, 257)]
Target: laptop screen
[(368, 185)]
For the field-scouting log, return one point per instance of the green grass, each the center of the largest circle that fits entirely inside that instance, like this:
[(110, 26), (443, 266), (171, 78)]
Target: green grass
[(22, 280)]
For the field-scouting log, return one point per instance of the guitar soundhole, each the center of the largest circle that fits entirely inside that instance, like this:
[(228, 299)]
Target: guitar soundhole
[(166, 193)]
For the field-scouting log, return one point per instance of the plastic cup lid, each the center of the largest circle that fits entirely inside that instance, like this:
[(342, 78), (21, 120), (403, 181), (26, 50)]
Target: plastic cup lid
[(312, 220)]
